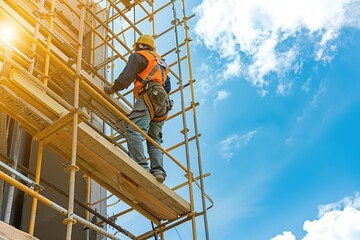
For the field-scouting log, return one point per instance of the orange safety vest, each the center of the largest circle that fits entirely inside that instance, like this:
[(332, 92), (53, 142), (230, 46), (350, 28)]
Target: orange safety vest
[(156, 71)]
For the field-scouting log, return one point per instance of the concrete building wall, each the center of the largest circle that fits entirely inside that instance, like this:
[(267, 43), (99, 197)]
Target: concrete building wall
[(48, 223)]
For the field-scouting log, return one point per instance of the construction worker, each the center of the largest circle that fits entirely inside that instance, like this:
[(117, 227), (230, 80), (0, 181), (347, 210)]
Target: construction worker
[(148, 72)]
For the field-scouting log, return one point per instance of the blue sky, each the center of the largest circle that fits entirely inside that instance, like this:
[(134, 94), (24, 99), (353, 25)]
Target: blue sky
[(280, 82)]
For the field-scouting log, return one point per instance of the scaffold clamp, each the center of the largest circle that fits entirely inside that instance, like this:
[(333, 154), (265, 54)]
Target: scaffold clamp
[(70, 168), (69, 221)]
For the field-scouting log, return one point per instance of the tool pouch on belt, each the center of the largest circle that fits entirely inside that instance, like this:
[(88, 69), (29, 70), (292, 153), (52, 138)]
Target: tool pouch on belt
[(155, 99), (157, 96)]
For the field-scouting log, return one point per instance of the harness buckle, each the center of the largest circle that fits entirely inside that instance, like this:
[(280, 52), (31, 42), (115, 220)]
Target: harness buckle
[(144, 88), (169, 103)]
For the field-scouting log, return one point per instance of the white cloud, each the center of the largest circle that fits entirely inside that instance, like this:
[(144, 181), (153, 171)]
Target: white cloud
[(352, 202), (262, 92), (284, 236), (228, 146), (324, 50), (318, 94), (248, 136), (205, 84), (335, 225), (235, 141), (284, 88), (233, 69), (306, 86), (337, 221), (220, 96), (263, 39)]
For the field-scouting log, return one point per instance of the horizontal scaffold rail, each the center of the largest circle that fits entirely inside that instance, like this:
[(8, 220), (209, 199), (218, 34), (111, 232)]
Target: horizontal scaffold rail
[(27, 103)]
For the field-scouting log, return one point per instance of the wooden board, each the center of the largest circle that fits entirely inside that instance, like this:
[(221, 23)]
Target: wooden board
[(8, 232), (97, 157)]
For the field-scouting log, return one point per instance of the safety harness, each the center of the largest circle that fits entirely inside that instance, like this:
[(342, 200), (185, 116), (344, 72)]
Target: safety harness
[(148, 84)]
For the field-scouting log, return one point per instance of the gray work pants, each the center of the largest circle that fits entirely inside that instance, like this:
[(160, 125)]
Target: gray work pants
[(141, 117)]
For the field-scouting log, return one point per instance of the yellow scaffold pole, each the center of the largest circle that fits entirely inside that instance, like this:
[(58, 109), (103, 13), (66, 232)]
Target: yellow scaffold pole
[(53, 205)]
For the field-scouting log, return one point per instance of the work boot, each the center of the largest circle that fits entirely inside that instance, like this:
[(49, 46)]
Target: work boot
[(160, 177)]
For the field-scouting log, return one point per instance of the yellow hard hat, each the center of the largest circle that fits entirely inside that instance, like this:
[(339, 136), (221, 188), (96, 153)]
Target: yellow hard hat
[(147, 40)]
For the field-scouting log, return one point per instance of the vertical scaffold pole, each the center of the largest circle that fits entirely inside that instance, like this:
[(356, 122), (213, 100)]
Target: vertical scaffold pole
[(5, 72), (92, 55), (183, 113), (36, 34), (37, 180), (3, 149), (69, 221), (49, 39), (88, 196), (92, 37), (193, 106), (45, 81), (152, 19), (12, 188)]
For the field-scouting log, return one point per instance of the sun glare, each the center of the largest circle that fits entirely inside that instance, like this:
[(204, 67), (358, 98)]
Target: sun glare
[(7, 33)]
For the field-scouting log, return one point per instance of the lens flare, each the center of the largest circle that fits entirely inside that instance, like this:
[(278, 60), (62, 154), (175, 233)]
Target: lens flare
[(7, 33)]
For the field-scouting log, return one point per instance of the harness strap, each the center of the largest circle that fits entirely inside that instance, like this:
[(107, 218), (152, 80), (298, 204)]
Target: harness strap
[(162, 65), (161, 118), (149, 105), (153, 71), (151, 74), (137, 78), (163, 75)]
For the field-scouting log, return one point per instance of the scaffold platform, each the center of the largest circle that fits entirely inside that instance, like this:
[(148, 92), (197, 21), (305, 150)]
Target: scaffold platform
[(47, 120)]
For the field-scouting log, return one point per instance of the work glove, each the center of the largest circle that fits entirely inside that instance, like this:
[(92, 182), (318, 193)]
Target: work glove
[(108, 89)]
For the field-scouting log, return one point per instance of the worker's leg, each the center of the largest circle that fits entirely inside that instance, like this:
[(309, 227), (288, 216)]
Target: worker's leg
[(141, 117), (157, 96), (156, 155)]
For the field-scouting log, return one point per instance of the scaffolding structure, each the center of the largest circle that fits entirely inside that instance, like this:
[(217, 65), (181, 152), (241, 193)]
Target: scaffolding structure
[(51, 88)]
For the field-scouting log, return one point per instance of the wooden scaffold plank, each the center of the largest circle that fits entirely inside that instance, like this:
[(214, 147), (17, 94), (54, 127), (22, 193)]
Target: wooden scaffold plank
[(8, 232), (98, 157)]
